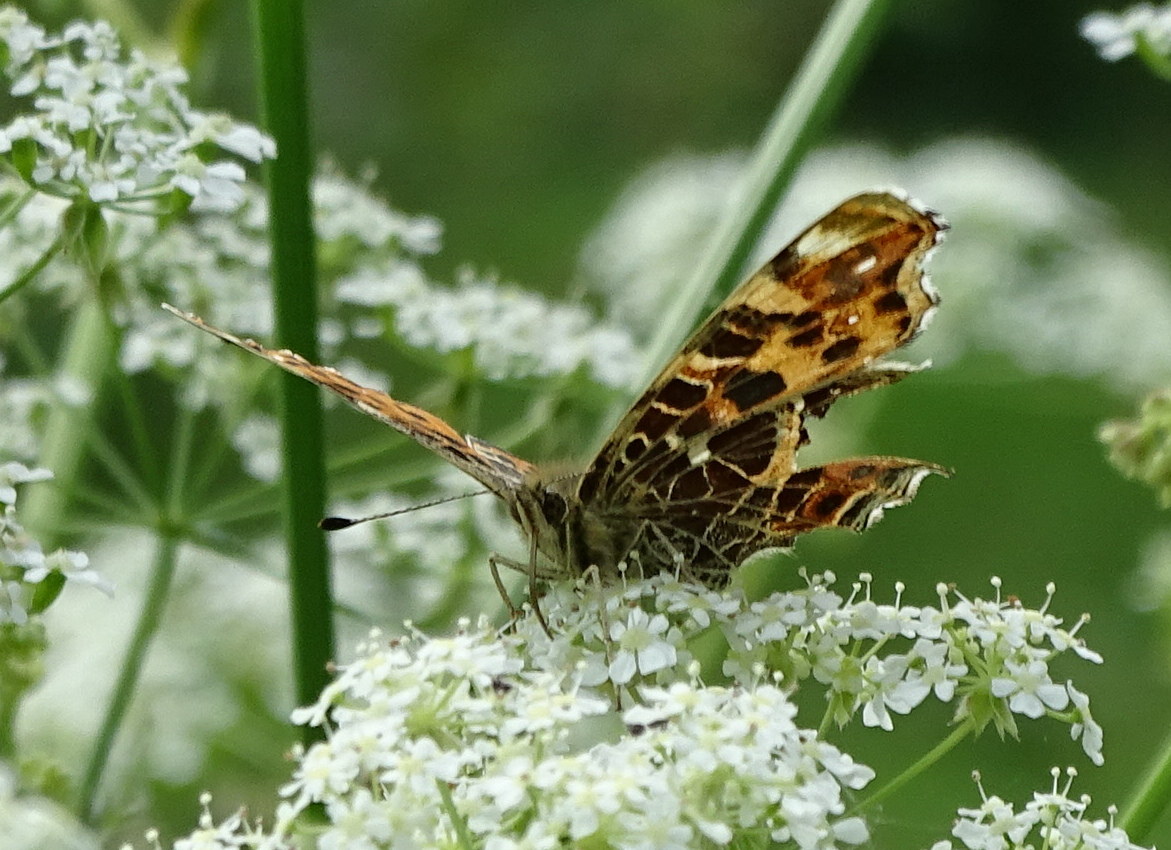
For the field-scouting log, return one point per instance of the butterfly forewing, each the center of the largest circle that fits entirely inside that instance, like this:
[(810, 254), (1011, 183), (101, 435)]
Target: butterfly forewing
[(498, 470)]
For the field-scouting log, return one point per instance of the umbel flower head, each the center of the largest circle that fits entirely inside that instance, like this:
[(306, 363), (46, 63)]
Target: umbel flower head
[(112, 127), (606, 735), (432, 738)]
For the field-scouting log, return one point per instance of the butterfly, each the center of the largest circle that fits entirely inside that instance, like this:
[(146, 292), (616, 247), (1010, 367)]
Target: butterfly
[(701, 471)]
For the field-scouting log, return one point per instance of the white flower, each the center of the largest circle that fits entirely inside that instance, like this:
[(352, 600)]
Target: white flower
[(140, 133), (1029, 688), (639, 646), (1052, 819), (358, 822), (257, 439), (13, 603), (13, 473), (1085, 727), (993, 825), (1115, 35)]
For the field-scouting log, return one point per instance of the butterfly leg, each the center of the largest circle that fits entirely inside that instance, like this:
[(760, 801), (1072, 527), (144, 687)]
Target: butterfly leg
[(528, 568), (534, 599), (494, 562)]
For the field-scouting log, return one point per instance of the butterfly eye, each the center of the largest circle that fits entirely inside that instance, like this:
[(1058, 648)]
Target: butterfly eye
[(553, 506)]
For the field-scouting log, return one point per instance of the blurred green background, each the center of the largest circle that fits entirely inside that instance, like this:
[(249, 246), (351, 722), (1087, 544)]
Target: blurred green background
[(519, 124)]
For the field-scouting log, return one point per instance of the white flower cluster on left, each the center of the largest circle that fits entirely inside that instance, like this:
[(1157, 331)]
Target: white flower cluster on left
[(433, 739), (23, 563), (114, 127)]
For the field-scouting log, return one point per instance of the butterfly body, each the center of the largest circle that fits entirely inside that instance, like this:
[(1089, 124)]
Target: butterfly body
[(701, 472)]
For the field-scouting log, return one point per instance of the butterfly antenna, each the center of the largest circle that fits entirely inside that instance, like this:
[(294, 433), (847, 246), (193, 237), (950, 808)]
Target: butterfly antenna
[(337, 523)]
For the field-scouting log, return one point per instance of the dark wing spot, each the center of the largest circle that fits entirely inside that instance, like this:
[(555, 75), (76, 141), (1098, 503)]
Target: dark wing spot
[(698, 422), (747, 389), (749, 320), (727, 343), (827, 505), (804, 477), (692, 484), (654, 424), (666, 474), (805, 338), (760, 429), (864, 470), (891, 302), (723, 478), (789, 499), (890, 275), (801, 319), (679, 394), (784, 265), (841, 275), (840, 350), (635, 446), (755, 464)]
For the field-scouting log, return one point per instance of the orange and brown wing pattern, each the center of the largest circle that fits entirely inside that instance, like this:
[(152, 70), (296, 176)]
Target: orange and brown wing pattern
[(711, 521), (498, 470), (716, 434)]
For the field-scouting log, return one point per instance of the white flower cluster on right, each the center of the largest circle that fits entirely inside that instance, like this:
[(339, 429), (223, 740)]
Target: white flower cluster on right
[(1054, 820), (1116, 36), (990, 658)]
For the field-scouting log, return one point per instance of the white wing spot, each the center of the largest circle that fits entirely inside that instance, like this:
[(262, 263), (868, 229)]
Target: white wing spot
[(865, 265), (699, 455)]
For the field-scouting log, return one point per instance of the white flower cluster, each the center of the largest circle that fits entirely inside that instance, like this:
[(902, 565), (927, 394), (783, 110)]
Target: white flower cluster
[(1053, 820), (23, 564), (1116, 36), (990, 658), (439, 743), (29, 820), (510, 332), (483, 740), (113, 128)]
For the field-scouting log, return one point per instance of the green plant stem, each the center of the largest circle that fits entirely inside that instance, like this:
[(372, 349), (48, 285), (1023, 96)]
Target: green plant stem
[(162, 575), (815, 94), (36, 268), (87, 353), (463, 835), (1149, 801), (935, 754), (281, 49), (8, 710)]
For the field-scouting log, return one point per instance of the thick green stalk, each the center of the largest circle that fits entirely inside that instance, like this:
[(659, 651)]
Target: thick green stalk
[(281, 49), (1150, 800)]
